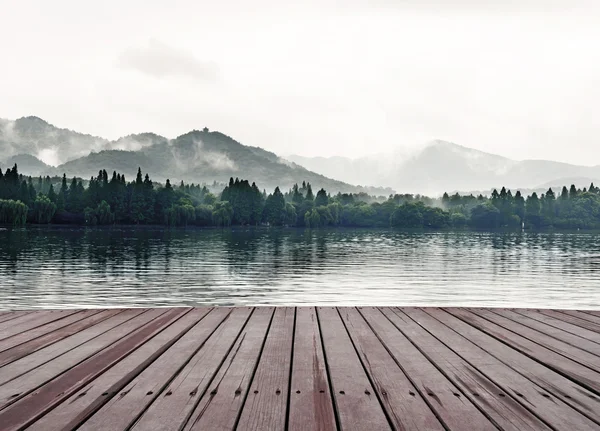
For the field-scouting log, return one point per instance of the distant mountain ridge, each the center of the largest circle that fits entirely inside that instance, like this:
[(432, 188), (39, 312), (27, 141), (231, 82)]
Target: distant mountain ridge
[(444, 166), (196, 156)]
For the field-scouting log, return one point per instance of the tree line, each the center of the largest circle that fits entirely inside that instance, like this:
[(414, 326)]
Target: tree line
[(106, 201)]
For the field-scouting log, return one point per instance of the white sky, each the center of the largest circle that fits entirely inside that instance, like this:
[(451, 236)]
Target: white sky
[(521, 79)]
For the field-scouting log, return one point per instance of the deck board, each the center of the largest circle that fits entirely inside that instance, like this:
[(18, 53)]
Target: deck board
[(312, 408), (304, 368)]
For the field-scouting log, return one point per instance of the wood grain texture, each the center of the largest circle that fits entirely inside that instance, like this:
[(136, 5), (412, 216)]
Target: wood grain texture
[(296, 369), (523, 393), (568, 351), (111, 385), (557, 333), (19, 367), (551, 383), (36, 339), (311, 405), (406, 409), (587, 334), (171, 410), (584, 376), (357, 406), (30, 321), (31, 407), (264, 409), (219, 408)]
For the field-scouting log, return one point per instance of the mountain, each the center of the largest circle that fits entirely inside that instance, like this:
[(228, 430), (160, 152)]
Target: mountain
[(28, 163), (197, 156), (444, 166), (52, 145)]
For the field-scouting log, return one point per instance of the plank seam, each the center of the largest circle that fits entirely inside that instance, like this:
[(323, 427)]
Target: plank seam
[(572, 405), (549, 366), (209, 383), (262, 348), (115, 389), (333, 401), (534, 341), (467, 396), (369, 378), (289, 398)]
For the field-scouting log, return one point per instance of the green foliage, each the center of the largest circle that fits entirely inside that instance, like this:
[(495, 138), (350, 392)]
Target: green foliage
[(43, 209), (106, 200), (13, 212), (102, 215), (485, 216)]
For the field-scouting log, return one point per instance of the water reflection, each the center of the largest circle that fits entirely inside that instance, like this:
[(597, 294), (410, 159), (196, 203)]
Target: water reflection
[(79, 267)]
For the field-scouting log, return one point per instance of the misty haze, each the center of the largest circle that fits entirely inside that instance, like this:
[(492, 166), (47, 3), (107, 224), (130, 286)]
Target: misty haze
[(290, 216)]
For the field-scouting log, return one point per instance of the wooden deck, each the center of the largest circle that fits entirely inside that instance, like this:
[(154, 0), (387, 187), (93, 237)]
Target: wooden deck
[(300, 369)]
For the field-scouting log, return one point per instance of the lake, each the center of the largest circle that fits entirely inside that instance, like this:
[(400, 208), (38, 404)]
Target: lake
[(62, 267)]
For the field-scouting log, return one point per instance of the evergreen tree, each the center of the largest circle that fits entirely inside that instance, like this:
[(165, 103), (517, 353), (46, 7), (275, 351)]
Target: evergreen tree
[(322, 199)]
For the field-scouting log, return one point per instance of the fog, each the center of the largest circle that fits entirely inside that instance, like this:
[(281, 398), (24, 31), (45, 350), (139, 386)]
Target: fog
[(519, 79)]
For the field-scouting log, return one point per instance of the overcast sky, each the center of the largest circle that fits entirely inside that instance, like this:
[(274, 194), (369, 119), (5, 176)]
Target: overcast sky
[(521, 79)]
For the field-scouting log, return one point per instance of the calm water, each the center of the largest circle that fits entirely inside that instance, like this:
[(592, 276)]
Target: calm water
[(79, 267)]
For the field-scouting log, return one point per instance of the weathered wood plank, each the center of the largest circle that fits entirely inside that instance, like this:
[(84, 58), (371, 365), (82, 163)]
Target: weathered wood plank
[(29, 408), (552, 383), (21, 386), (584, 376), (264, 409), (568, 351), (29, 335), (219, 408), (312, 408), (121, 412), (73, 324), (560, 324), (593, 328), (158, 357), (27, 363), (455, 413), (10, 315), (30, 321), (354, 398), (405, 407), (590, 316), (531, 397), (558, 333), (171, 412)]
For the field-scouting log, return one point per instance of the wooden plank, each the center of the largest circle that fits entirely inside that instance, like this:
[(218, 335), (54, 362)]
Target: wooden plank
[(29, 408), (23, 317), (584, 376), (10, 315), (589, 316), (219, 408), (171, 412), (27, 363), (553, 384), (122, 411), (455, 413), (311, 405), (150, 358), (405, 407), (560, 324), (30, 321), (568, 351), (73, 324), (264, 409), (354, 398), (559, 334), (592, 327), (17, 339), (21, 386), (551, 410)]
